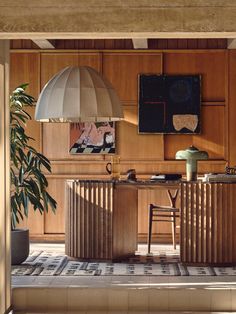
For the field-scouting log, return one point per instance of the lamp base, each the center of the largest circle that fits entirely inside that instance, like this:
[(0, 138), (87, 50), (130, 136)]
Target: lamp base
[(191, 176)]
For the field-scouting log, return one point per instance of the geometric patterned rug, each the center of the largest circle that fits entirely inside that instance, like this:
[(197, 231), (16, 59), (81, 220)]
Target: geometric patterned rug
[(41, 263)]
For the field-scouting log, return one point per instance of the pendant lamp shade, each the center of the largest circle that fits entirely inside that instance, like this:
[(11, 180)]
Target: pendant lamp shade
[(78, 94)]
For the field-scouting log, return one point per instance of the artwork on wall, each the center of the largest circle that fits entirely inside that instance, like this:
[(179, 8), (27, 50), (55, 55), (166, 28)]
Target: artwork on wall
[(169, 104), (92, 138)]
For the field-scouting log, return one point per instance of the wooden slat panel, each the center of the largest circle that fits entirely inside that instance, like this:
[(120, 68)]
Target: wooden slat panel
[(88, 236), (105, 224), (202, 44), (207, 223), (182, 43), (210, 65), (122, 71), (211, 139), (212, 43), (124, 44), (192, 43)]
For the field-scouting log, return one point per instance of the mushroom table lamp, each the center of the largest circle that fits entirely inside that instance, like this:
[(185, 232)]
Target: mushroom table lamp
[(191, 155)]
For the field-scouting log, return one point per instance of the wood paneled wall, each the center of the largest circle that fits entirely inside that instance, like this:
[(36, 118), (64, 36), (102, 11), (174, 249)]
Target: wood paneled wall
[(148, 154)]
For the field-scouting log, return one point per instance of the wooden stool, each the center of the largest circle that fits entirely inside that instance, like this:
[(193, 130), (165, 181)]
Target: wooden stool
[(166, 213)]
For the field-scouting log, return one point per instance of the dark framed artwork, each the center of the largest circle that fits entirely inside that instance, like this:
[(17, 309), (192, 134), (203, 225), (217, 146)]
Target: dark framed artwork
[(169, 104), (92, 138)]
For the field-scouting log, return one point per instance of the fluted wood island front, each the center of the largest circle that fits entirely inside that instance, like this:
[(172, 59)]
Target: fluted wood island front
[(102, 217), (102, 220)]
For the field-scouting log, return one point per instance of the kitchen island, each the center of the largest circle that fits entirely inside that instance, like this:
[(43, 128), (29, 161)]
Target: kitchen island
[(102, 217)]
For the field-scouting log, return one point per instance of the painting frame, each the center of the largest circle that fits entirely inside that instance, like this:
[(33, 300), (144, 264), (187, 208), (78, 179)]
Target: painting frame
[(169, 104)]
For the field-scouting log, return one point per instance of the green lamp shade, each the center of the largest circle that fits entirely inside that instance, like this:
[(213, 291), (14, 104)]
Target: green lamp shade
[(191, 155)]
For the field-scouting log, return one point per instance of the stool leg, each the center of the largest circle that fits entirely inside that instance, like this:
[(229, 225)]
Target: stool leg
[(150, 214), (174, 231)]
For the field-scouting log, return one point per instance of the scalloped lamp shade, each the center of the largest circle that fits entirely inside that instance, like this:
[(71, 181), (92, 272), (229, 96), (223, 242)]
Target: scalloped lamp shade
[(78, 94)]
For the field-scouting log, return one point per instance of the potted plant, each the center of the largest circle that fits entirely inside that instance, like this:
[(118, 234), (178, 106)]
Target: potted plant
[(28, 182)]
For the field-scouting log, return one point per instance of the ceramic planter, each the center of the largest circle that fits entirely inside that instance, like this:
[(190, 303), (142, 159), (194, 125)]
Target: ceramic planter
[(19, 246)]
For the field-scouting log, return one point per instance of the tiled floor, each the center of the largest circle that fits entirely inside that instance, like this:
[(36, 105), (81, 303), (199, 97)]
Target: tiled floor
[(122, 294)]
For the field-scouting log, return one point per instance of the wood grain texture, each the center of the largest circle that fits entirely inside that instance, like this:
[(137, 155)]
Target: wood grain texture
[(207, 223), (122, 70), (211, 139), (25, 68), (137, 146), (125, 220), (54, 132), (51, 63), (232, 108), (123, 44), (149, 153), (101, 220), (161, 231), (55, 223), (209, 64)]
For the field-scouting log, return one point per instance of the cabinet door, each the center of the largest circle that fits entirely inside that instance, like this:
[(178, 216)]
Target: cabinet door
[(211, 65), (55, 223), (122, 71)]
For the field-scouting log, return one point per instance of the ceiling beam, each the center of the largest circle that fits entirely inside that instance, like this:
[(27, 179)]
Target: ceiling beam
[(43, 43), (156, 19), (231, 43), (140, 43)]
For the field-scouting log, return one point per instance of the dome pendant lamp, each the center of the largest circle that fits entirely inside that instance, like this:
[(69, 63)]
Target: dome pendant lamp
[(78, 94)]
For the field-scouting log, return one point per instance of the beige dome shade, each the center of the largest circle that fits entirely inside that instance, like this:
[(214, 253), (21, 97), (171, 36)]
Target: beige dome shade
[(78, 94)]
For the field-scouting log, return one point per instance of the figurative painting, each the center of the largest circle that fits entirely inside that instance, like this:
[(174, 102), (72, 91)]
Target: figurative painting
[(92, 138), (169, 104)]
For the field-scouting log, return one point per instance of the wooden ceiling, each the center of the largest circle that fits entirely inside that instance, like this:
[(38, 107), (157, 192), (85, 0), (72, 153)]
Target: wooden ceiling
[(125, 44)]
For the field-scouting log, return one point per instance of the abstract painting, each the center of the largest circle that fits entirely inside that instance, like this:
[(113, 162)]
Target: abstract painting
[(169, 104)]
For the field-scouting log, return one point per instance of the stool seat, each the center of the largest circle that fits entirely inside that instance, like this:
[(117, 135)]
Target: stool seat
[(160, 213)]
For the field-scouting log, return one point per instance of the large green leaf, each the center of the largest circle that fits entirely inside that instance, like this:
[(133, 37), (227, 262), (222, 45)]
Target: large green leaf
[(28, 182)]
